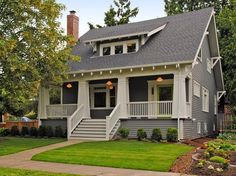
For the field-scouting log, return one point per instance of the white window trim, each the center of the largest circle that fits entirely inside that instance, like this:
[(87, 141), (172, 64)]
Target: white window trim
[(205, 127), (113, 44), (197, 93), (92, 91), (215, 105), (208, 62), (205, 108), (214, 127), (199, 127)]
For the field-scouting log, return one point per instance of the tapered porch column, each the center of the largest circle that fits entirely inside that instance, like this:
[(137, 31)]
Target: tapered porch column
[(83, 97), (179, 97), (123, 95), (43, 102)]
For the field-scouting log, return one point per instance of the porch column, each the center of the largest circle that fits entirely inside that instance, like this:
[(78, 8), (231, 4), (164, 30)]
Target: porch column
[(179, 96), (43, 102), (123, 95), (83, 97)]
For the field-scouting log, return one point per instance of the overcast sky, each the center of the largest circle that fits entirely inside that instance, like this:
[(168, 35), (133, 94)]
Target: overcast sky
[(93, 11)]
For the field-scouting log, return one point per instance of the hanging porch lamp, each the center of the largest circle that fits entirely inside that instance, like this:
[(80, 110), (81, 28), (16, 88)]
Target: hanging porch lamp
[(69, 85), (159, 79), (109, 85)]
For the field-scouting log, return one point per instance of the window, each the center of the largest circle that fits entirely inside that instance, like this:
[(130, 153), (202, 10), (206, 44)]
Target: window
[(199, 56), (113, 48), (187, 89), (215, 105), (205, 99), (205, 127), (119, 49), (131, 47), (199, 127), (209, 65), (196, 88), (106, 51), (214, 127)]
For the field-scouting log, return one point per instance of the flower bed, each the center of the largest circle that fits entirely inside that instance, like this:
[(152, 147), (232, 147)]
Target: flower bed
[(214, 158)]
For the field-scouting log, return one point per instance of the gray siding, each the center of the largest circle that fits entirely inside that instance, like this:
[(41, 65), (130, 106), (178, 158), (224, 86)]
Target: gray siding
[(100, 113), (148, 125), (55, 122), (70, 95), (206, 79)]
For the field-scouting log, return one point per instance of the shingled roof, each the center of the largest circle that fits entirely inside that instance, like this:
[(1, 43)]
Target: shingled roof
[(177, 42)]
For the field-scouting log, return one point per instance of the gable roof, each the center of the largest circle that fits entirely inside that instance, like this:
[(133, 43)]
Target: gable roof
[(176, 43)]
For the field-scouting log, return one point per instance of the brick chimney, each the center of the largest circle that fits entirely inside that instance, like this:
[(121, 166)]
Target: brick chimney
[(73, 25)]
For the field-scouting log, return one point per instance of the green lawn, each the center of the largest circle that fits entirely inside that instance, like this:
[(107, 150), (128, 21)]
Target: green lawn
[(21, 172), (120, 154), (9, 145)]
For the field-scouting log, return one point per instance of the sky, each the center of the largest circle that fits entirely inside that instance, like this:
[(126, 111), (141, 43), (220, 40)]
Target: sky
[(93, 11)]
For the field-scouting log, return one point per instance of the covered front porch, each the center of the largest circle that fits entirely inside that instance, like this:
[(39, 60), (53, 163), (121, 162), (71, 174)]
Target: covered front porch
[(120, 96)]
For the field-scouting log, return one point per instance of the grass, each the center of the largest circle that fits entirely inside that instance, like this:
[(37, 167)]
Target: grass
[(21, 172), (119, 154), (9, 145)]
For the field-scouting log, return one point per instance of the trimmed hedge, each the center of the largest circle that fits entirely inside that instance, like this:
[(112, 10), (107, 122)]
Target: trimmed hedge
[(42, 131), (172, 135), (59, 131), (24, 131), (124, 132), (15, 131), (49, 131), (141, 134), (156, 134), (33, 132)]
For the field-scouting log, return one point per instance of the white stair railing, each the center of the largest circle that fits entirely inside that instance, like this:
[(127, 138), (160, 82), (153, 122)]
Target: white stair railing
[(111, 120), (74, 120), (149, 109)]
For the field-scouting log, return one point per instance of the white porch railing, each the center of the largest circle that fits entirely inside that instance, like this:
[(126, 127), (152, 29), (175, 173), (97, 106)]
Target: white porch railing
[(150, 109), (74, 120), (60, 110), (111, 120)]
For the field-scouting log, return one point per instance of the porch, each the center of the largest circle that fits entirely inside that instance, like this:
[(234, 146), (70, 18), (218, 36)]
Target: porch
[(112, 99)]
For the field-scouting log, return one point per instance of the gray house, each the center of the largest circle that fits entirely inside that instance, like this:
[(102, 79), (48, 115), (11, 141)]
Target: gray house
[(160, 73)]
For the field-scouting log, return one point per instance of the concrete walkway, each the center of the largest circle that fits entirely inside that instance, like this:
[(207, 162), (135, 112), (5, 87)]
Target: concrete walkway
[(22, 160)]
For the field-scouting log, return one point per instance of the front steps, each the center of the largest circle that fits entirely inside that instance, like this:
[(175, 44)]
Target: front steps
[(92, 129)]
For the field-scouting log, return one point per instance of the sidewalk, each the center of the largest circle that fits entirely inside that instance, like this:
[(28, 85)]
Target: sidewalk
[(22, 160)]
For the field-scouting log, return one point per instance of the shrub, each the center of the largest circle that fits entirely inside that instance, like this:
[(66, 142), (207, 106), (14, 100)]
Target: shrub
[(124, 132), (33, 132), (42, 131), (156, 134), (49, 131), (15, 131), (24, 131), (141, 134), (59, 131), (4, 132), (218, 159), (172, 135)]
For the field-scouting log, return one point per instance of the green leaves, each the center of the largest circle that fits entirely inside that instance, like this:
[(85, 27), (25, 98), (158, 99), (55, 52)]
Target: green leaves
[(120, 14), (33, 49)]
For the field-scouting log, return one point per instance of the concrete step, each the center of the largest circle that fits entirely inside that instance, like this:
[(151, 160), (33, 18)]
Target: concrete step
[(88, 136), (95, 120), (93, 123), (89, 132), (90, 129)]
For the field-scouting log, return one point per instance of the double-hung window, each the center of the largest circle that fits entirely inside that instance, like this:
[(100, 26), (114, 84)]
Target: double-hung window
[(196, 88), (205, 99)]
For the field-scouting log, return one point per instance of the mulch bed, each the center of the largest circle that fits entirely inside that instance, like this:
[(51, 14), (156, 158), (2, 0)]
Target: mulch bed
[(184, 163)]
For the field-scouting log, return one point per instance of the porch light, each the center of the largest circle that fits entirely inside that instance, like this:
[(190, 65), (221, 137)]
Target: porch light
[(109, 85), (69, 85), (159, 79)]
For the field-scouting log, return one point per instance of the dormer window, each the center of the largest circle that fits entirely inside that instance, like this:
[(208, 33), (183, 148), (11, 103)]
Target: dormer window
[(123, 47), (118, 49), (131, 47), (106, 51)]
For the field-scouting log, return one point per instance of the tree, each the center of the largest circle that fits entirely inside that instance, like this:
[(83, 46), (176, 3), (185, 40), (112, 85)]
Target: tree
[(226, 23), (33, 50), (119, 15)]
